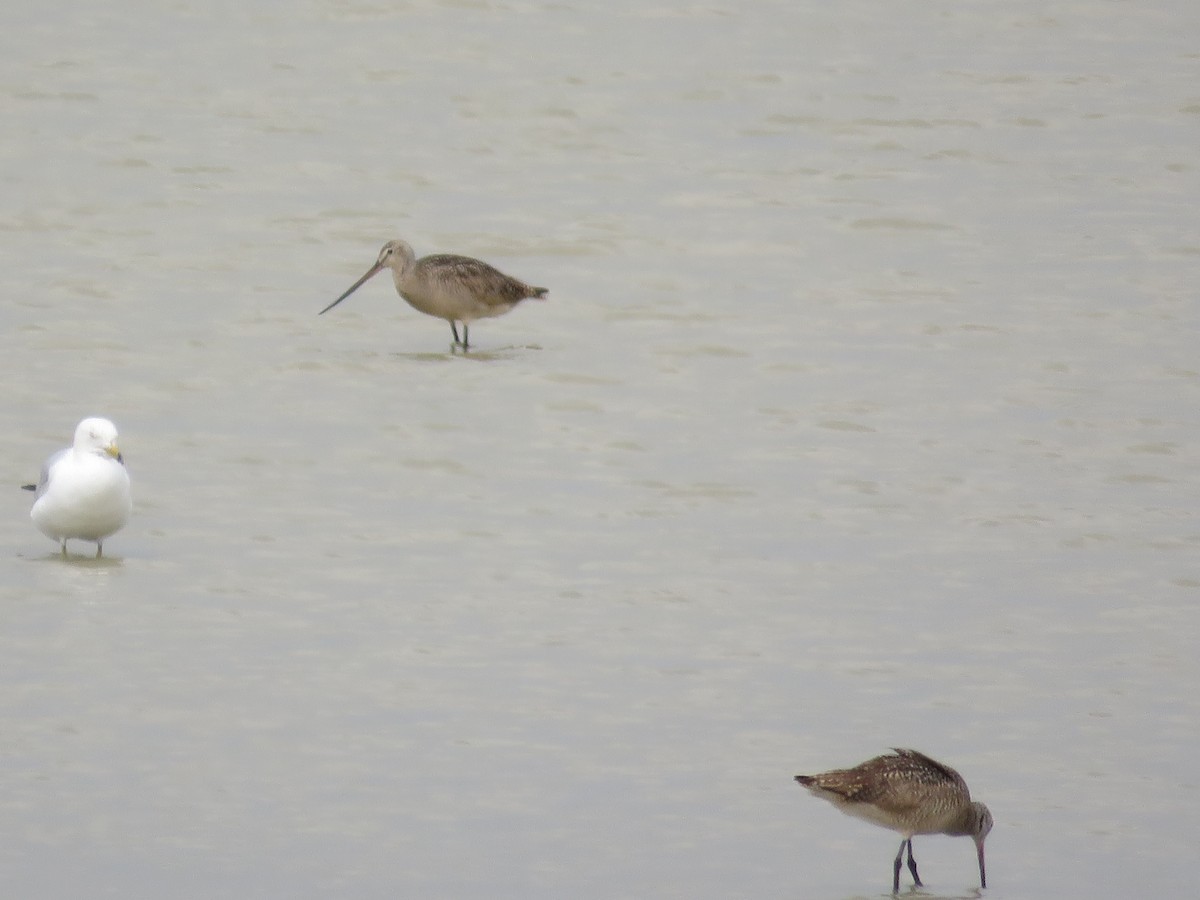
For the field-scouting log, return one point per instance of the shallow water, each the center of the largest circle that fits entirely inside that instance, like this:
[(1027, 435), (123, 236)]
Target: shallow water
[(861, 414)]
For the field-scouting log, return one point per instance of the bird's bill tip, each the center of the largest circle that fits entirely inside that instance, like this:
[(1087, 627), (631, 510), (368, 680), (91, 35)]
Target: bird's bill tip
[(113, 451), (354, 287), (333, 304), (982, 868)]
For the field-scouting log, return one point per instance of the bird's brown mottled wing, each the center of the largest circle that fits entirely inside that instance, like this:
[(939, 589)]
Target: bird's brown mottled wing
[(888, 781), (485, 283), (928, 770)]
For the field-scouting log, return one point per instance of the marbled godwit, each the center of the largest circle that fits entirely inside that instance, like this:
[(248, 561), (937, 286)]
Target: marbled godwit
[(910, 793), (83, 492), (454, 288)]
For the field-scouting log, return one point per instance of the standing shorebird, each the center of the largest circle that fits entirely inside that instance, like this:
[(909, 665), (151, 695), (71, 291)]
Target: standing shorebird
[(454, 288), (910, 793), (83, 492)]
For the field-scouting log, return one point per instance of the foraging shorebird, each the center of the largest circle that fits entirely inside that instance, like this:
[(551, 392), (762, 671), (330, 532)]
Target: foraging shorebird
[(454, 288), (910, 793), (83, 492)]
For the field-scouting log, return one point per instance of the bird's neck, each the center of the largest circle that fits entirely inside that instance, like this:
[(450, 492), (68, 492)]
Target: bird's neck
[(967, 823)]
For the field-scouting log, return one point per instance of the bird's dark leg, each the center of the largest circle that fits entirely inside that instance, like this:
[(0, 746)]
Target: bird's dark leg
[(63, 544), (896, 868), (454, 331), (99, 549), (912, 864), (466, 338)]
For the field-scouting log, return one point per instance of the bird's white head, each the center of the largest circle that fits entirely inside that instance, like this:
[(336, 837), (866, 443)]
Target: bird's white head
[(983, 821), (99, 436), (982, 826), (396, 255)]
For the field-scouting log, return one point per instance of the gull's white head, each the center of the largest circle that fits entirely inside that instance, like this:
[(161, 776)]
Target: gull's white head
[(98, 436)]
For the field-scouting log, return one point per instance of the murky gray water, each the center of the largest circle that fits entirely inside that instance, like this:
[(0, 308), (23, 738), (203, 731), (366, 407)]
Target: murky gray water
[(862, 413)]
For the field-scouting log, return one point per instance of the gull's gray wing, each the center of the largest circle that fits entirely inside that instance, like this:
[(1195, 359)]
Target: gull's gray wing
[(44, 478)]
